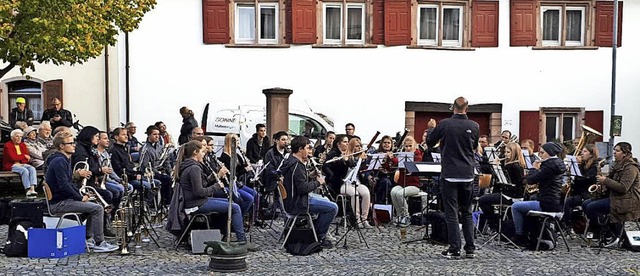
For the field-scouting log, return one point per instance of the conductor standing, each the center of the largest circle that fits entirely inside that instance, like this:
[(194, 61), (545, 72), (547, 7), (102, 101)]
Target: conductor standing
[(458, 137)]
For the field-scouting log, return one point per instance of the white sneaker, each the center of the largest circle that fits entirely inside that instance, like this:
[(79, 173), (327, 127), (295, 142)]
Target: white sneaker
[(329, 237), (104, 247), (613, 243)]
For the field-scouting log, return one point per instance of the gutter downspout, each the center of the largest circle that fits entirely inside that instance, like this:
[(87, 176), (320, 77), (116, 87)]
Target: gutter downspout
[(106, 85), (126, 74)]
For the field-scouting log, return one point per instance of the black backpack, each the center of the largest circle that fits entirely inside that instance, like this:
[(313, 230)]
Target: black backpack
[(5, 210), (17, 244), (439, 233), (301, 242), (549, 239)]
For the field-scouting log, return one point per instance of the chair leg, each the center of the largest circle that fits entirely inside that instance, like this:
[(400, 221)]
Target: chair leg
[(184, 233), (313, 228), (544, 222), (289, 232), (564, 238), (284, 228)]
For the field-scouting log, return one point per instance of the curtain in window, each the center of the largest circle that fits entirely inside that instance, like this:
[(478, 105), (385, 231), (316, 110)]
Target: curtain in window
[(428, 24), (551, 25), (354, 23), (574, 25), (451, 24), (246, 22), (268, 23), (333, 23)]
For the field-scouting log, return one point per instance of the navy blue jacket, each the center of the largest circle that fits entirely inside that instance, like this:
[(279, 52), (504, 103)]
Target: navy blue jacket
[(458, 138), (58, 178)]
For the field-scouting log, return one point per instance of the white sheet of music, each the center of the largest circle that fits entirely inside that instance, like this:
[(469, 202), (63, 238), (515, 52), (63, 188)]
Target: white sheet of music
[(491, 153), (404, 157), (434, 168), (500, 174), (436, 157), (376, 161), (572, 162), (527, 159)]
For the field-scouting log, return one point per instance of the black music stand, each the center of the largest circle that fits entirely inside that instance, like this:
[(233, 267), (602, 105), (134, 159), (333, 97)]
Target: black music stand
[(429, 170), (352, 179), (374, 167), (501, 180)]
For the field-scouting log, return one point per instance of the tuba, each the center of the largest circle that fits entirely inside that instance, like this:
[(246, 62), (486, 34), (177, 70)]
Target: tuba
[(589, 136)]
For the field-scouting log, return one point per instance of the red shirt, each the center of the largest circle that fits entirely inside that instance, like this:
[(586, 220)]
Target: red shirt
[(407, 180), (10, 155)]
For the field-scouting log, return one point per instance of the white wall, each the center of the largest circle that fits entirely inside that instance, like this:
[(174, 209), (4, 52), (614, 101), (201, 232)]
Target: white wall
[(171, 67)]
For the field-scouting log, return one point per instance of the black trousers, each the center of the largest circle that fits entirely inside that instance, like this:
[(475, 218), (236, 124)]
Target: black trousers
[(456, 198), (486, 203)]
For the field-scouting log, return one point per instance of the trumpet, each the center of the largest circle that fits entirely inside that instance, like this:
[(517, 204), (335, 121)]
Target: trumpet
[(94, 195), (104, 177), (122, 221), (167, 151)]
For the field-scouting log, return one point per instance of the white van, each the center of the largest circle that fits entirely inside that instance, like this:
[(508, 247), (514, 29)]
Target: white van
[(243, 119)]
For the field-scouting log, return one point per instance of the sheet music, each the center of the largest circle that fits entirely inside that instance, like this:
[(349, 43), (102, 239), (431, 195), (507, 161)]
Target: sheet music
[(527, 159), (404, 157), (491, 153), (376, 161), (436, 157), (572, 162), (500, 173), (434, 168)]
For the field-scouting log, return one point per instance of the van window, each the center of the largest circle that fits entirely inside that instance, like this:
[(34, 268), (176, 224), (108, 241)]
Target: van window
[(304, 126)]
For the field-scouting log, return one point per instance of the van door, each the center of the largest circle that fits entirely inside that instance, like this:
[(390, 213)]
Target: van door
[(300, 125)]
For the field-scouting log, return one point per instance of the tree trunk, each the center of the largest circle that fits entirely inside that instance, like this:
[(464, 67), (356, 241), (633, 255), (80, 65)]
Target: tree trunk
[(6, 70)]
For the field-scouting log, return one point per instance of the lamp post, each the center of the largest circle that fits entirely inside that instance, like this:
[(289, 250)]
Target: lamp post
[(614, 47)]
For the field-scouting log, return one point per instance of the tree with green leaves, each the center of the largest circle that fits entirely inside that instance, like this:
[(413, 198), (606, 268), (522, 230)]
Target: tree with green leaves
[(62, 31)]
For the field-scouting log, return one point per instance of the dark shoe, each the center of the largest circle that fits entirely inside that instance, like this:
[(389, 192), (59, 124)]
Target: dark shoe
[(521, 241), (451, 255), (251, 247), (108, 234), (326, 244), (470, 252)]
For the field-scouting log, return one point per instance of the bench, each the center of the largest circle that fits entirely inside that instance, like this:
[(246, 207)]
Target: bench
[(8, 176)]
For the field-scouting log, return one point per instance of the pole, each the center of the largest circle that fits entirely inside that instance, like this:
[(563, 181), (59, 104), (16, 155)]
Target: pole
[(614, 47)]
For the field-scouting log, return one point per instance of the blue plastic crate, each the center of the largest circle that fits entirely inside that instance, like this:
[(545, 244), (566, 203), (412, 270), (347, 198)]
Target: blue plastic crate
[(56, 243)]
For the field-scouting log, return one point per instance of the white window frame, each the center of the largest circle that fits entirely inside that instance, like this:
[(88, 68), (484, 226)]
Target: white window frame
[(238, 39), (560, 30), (582, 25), (259, 23), (362, 20), (559, 131), (432, 42), (454, 43), (324, 23)]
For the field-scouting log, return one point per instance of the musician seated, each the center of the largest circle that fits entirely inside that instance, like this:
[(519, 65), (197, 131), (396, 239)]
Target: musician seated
[(513, 167), (407, 185), (16, 158), (579, 190), (353, 188), (258, 145), (335, 168), (132, 141), (110, 179), (244, 172), (623, 184), (121, 163), (273, 159), (197, 198), (211, 168), (321, 150), (549, 176), (165, 137), (150, 161), (298, 186), (382, 187), (67, 199)]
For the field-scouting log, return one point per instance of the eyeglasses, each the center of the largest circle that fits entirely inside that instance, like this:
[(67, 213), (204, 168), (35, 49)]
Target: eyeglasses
[(505, 137), (349, 129), (198, 133)]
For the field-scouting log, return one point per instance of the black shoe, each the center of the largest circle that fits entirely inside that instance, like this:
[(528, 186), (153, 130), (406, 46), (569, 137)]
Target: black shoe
[(326, 244), (521, 241), (451, 255), (470, 252), (108, 234)]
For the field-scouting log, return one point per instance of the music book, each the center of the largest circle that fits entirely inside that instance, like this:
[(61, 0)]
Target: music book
[(502, 178), (432, 168), (527, 159), (436, 157), (404, 157), (491, 153), (572, 162)]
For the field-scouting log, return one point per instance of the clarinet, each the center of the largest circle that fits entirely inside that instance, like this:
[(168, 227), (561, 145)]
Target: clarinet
[(323, 188), (215, 176)]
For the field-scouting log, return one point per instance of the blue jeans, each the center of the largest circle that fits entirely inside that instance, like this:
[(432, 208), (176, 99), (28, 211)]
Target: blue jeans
[(519, 210), (220, 205), (326, 211), (383, 189), (27, 173), (456, 197), (247, 195), (595, 208)]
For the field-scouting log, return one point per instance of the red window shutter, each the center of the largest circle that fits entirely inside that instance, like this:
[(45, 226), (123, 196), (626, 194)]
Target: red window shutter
[(484, 29), (377, 36), (594, 119), (303, 21), (523, 23), (51, 89), (397, 22), (215, 21), (530, 127), (604, 24)]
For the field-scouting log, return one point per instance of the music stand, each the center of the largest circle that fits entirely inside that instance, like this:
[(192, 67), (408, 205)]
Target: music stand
[(429, 170), (437, 157), (491, 153), (501, 180), (352, 179), (375, 163), (528, 159)]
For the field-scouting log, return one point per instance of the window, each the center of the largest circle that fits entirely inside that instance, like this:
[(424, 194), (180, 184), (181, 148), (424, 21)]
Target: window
[(267, 25), (435, 19), (334, 31), (555, 26), (305, 126), (560, 127)]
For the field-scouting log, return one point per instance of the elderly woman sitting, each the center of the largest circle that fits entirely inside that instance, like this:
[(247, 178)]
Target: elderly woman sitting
[(34, 147), (15, 158)]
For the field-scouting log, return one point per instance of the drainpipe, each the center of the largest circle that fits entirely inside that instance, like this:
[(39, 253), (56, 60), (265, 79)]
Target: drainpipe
[(126, 73), (106, 85), (614, 48)]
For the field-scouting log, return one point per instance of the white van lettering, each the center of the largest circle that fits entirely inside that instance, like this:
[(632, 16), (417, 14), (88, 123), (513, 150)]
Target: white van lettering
[(225, 120)]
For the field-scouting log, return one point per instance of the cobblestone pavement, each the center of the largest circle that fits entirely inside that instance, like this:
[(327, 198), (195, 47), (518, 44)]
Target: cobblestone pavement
[(386, 256)]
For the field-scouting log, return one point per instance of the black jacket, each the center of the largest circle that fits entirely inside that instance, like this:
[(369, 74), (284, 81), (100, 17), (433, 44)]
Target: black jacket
[(581, 183), (257, 151), (58, 178), (192, 183), (336, 171), (458, 138), (67, 119), (515, 172), (25, 116), (188, 124), (549, 178), (86, 152), (121, 160), (270, 175), (297, 185)]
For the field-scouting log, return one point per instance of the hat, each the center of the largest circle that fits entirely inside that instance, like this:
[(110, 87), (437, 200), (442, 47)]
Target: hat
[(552, 148), (28, 130), (20, 100)]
